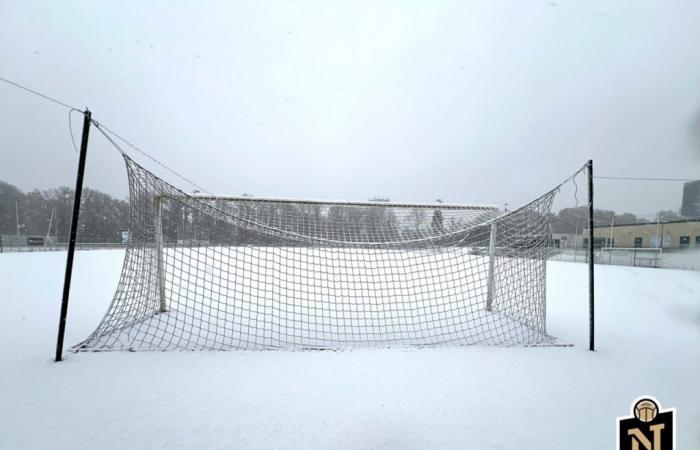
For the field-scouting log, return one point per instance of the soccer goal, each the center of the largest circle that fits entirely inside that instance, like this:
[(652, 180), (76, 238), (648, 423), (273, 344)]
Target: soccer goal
[(641, 257), (219, 273)]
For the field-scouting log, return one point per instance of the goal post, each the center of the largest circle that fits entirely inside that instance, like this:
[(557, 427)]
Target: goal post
[(238, 272), (492, 264), (160, 271), (633, 256)]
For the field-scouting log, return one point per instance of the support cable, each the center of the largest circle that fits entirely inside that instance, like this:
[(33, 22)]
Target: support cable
[(104, 130), (643, 178), (46, 97)]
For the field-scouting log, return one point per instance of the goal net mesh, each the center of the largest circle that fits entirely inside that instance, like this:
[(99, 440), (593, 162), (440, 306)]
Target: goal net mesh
[(220, 273)]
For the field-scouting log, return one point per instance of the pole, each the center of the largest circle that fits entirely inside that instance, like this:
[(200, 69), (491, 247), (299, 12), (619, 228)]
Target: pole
[(73, 232), (17, 217), (159, 253), (490, 292), (48, 230), (612, 238), (658, 227), (612, 232), (576, 243), (591, 262)]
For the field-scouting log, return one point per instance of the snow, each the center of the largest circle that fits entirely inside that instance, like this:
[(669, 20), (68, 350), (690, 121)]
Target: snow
[(276, 297), (464, 397)]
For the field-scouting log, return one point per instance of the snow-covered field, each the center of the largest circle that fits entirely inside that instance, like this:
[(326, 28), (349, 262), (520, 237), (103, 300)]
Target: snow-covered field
[(472, 397), (276, 297)]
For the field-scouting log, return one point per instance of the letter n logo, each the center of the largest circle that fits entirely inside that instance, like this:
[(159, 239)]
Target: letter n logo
[(648, 428)]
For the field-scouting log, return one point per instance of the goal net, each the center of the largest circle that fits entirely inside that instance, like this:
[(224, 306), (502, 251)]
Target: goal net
[(640, 257), (219, 273)]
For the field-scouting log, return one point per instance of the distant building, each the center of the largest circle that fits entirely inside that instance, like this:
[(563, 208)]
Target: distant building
[(566, 240), (676, 234), (691, 199)]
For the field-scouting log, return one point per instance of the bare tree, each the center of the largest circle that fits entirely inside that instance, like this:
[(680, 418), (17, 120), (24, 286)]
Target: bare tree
[(419, 217)]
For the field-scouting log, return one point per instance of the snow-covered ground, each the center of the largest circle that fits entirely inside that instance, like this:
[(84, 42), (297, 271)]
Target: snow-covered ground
[(473, 397)]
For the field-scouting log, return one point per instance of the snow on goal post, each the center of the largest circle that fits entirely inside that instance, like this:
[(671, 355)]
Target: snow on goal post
[(220, 273)]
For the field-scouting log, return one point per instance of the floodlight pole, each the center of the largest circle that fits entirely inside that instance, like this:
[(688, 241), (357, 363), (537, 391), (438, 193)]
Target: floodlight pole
[(73, 233), (591, 261)]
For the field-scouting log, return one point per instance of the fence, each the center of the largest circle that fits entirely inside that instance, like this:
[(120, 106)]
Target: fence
[(14, 243), (686, 259)]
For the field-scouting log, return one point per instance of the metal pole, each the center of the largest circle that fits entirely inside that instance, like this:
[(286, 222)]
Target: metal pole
[(658, 227), (73, 232), (662, 236), (576, 243), (17, 217), (612, 237), (48, 230), (490, 292), (159, 253), (591, 261), (612, 232)]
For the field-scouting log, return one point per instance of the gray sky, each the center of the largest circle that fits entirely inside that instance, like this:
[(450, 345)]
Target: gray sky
[(477, 102)]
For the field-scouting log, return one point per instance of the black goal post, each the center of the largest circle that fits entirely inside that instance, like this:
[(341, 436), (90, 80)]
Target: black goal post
[(73, 232), (591, 262)]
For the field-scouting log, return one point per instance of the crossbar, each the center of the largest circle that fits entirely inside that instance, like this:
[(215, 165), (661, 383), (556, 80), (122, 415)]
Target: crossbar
[(347, 203)]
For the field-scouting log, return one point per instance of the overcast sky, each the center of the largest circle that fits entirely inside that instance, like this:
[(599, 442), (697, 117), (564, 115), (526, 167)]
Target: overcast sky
[(470, 101)]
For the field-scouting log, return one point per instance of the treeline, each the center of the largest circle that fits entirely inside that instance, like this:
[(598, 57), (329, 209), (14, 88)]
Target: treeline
[(49, 212), (189, 223), (263, 223), (103, 217), (574, 220)]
